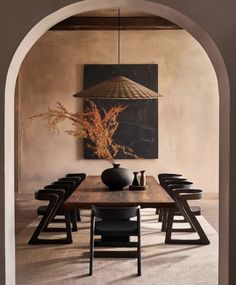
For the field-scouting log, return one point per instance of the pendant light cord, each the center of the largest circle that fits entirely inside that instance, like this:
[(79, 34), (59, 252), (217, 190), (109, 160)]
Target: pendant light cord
[(118, 48)]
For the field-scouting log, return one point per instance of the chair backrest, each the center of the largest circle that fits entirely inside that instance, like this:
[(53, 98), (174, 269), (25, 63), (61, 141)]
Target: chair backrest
[(168, 180), (81, 175), (175, 182), (76, 180), (56, 185), (187, 194), (46, 194), (163, 176), (184, 185), (69, 185), (66, 187), (115, 213)]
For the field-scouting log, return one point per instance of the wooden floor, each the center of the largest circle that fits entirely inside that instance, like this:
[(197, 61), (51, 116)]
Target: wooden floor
[(25, 210)]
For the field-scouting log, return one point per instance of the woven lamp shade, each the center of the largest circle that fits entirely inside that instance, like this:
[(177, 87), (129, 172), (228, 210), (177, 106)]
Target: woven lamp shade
[(118, 88)]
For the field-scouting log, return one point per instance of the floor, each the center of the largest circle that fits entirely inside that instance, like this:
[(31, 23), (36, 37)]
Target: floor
[(68, 264), (25, 206), (210, 211), (162, 263)]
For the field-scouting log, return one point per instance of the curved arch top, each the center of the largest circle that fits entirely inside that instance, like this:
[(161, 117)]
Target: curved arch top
[(89, 5)]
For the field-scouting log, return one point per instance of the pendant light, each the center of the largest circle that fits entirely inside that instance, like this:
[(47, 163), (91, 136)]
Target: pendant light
[(118, 87)]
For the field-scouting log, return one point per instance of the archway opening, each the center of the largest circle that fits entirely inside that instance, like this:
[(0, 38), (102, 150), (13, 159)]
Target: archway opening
[(160, 10)]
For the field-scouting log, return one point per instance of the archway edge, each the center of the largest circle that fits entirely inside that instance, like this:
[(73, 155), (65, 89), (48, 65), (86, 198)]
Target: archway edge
[(89, 5)]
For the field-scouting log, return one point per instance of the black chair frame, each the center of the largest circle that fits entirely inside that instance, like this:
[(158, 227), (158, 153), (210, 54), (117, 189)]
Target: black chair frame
[(181, 197), (73, 212), (55, 198), (113, 238), (161, 176), (196, 210), (165, 182), (76, 181)]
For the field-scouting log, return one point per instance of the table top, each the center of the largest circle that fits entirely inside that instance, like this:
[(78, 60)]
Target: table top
[(92, 191)]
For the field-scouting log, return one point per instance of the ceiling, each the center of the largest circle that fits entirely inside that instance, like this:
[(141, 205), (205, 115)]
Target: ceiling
[(108, 20)]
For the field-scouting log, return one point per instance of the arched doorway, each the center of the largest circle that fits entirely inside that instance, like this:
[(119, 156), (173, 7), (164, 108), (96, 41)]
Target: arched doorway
[(77, 8)]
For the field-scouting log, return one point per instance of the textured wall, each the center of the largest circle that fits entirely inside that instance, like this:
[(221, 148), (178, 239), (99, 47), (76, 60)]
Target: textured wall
[(211, 22), (188, 112)]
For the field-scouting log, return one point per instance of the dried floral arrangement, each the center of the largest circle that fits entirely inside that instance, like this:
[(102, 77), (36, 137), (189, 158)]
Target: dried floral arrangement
[(98, 126)]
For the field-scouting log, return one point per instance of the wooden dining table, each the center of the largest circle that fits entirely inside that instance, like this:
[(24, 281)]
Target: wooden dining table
[(92, 192)]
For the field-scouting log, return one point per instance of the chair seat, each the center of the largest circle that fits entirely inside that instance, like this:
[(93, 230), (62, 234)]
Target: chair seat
[(42, 210), (196, 210), (118, 228)]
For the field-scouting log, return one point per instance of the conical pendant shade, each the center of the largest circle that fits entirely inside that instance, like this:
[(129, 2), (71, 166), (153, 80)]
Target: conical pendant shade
[(118, 88)]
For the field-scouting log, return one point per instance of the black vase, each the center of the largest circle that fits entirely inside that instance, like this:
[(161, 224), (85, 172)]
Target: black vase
[(116, 178)]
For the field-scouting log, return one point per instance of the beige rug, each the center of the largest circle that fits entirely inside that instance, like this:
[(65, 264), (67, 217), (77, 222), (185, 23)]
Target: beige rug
[(161, 264)]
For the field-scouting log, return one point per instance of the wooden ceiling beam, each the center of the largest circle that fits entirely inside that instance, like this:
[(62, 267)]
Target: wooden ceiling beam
[(111, 23)]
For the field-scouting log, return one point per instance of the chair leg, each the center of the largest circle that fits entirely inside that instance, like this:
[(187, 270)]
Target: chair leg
[(190, 229), (195, 224), (73, 216), (42, 227), (160, 218), (169, 225), (164, 219), (68, 228), (192, 220), (91, 255), (78, 215), (139, 256)]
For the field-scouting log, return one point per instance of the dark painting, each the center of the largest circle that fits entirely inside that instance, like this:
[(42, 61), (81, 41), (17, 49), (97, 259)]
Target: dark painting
[(138, 124)]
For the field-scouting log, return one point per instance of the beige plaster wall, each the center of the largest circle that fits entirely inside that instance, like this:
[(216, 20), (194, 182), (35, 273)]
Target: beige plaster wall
[(188, 112)]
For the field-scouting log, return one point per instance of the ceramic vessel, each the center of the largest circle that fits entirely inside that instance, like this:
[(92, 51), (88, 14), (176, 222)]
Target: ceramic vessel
[(116, 178), (142, 178), (135, 180)]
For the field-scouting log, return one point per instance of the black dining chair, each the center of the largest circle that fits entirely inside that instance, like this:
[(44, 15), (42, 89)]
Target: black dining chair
[(60, 212), (161, 177), (181, 197), (165, 179), (55, 197), (82, 176), (76, 181), (169, 185), (115, 228)]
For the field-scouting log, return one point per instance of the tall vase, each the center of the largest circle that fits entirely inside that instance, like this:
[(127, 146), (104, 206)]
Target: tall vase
[(116, 178), (142, 178), (135, 180)]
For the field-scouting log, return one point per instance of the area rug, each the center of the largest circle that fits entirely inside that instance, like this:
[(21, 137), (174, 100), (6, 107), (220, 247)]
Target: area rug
[(162, 264)]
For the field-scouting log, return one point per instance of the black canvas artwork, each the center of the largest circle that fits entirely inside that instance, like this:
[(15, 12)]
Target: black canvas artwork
[(138, 123)]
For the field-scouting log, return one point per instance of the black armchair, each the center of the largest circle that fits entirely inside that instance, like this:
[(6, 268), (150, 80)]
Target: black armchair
[(115, 228), (170, 186), (74, 181), (60, 211), (181, 196), (55, 198), (161, 178)]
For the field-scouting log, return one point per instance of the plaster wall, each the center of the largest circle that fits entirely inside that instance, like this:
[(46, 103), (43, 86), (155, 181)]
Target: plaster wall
[(188, 112), (211, 22)]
